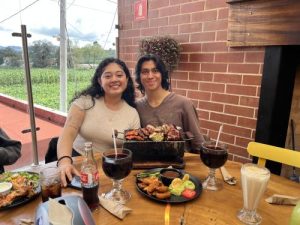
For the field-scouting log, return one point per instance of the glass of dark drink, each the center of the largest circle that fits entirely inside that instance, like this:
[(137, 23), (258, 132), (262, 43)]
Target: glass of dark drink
[(50, 183), (117, 165), (213, 156)]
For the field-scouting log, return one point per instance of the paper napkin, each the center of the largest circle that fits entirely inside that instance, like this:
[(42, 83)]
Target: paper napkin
[(282, 200), (117, 209)]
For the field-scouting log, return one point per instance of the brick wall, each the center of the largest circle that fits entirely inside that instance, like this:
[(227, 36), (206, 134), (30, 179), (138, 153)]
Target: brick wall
[(222, 82)]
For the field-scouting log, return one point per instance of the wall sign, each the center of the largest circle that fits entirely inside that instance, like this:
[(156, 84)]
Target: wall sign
[(140, 10)]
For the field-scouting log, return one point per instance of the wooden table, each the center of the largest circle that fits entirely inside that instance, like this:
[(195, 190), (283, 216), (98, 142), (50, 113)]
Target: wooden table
[(218, 208)]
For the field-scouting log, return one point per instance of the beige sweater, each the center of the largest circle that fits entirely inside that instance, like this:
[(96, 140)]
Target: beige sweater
[(99, 122)]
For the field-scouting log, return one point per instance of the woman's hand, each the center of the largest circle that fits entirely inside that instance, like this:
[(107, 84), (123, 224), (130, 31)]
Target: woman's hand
[(67, 171)]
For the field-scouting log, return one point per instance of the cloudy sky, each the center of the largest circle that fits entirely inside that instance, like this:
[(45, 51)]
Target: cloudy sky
[(87, 21)]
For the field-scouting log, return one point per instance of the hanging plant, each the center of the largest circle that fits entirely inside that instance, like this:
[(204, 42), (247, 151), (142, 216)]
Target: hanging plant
[(165, 47)]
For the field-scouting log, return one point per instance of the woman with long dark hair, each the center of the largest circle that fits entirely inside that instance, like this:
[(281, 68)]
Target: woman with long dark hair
[(108, 103)]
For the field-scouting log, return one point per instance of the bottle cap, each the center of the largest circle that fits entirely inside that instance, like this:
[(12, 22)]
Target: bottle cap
[(88, 144)]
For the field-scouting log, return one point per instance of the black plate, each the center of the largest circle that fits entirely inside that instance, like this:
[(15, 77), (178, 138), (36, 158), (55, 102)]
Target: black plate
[(22, 200), (173, 198)]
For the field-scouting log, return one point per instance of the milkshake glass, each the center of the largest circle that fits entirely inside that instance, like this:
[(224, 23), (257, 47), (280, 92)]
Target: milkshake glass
[(254, 183)]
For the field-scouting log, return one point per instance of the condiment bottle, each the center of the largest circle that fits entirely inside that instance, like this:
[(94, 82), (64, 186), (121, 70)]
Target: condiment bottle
[(89, 177)]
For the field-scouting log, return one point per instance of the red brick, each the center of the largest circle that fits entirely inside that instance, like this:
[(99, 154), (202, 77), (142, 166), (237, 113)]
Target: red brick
[(131, 33), (249, 101), (210, 125), (190, 48), (228, 78), (177, 2), (203, 37), (188, 85), (190, 28), (240, 159), (226, 138), (149, 31), (204, 115), (155, 4), (180, 92), (252, 79), (247, 122), (184, 58), (179, 19), (255, 57), (213, 87), (125, 41), (179, 75), (241, 90), (238, 131), (243, 142), (168, 11), (211, 106), (224, 98), (214, 47), (189, 66), (204, 16), (213, 67), (127, 57), (181, 38), (213, 4), (199, 57), (152, 13), (238, 152), (158, 22), (223, 118), (223, 13), (192, 7), (215, 25), (199, 95), (168, 30), (221, 35), (140, 24), (243, 68), (200, 76), (127, 25), (229, 57), (239, 110), (130, 49)]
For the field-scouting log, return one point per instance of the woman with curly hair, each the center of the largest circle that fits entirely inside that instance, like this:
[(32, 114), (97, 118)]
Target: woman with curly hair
[(108, 103)]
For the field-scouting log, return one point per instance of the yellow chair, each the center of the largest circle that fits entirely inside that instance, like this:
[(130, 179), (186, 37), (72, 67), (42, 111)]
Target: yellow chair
[(277, 154)]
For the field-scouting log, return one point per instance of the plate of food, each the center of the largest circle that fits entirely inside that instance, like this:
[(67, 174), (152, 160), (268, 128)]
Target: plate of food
[(25, 187), (184, 189)]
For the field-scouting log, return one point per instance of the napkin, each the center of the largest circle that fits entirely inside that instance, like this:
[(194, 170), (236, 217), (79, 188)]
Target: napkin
[(59, 214), (117, 209), (282, 200)]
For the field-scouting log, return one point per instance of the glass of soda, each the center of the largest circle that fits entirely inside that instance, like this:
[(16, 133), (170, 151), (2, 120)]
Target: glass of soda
[(117, 165), (213, 156), (50, 183)]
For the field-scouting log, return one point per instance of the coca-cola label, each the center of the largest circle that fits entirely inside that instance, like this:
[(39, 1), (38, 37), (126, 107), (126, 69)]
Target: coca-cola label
[(88, 178)]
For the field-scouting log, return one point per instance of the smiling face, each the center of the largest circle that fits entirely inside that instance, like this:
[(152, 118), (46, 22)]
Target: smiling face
[(113, 80), (150, 76)]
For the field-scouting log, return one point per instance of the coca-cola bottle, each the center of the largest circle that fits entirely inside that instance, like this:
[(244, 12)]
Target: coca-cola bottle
[(89, 177)]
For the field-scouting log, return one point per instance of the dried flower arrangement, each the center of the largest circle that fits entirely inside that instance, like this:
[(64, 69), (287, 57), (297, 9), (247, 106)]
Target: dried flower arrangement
[(165, 47)]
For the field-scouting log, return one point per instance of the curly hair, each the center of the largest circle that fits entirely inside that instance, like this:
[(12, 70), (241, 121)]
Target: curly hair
[(159, 65), (96, 91)]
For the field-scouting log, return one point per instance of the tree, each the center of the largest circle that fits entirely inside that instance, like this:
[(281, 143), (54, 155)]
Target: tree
[(42, 54), (10, 57)]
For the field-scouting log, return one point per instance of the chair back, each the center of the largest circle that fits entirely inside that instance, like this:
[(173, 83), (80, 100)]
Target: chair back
[(277, 154)]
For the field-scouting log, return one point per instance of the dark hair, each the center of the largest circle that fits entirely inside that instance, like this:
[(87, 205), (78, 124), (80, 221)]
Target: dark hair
[(96, 91), (159, 65)]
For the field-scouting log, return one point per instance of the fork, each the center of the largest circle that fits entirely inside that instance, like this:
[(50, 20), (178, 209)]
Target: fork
[(227, 176), (182, 218)]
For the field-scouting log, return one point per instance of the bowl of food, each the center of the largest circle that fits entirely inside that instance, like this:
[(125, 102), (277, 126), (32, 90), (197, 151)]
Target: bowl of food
[(5, 188), (167, 175)]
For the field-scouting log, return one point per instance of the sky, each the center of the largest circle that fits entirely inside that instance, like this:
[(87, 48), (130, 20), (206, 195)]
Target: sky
[(86, 20)]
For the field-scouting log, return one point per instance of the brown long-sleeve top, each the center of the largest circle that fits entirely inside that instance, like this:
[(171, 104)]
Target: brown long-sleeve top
[(174, 109)]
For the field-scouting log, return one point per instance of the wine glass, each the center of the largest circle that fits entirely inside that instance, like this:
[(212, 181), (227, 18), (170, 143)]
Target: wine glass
[(117, 165), (213, 156)]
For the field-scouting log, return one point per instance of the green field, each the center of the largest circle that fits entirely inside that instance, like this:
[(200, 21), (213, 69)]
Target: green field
[(45, 84)]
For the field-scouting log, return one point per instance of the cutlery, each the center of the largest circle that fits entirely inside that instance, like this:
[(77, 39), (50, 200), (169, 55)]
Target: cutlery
[(227, 176)]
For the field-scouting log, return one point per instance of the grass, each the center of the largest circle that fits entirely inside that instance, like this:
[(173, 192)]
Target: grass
[(45, 84)]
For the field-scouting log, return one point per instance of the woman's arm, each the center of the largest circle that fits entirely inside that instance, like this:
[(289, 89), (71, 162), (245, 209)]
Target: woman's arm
[(10, 150), (65, 142)]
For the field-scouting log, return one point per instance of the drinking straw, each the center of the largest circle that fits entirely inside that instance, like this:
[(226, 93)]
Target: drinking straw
[(219, 133), (115, 144)]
